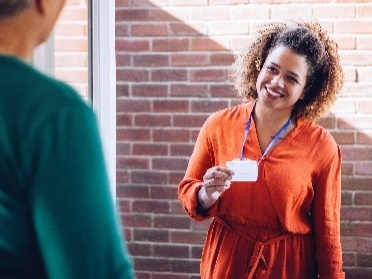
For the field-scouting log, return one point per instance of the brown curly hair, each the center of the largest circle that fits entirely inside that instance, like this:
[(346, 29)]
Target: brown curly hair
[(307, 38)]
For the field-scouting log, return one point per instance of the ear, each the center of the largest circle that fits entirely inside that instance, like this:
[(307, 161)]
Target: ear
[(40, 6)]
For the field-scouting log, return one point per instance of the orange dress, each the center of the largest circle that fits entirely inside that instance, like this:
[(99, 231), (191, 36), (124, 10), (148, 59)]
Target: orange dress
[(284, 225)]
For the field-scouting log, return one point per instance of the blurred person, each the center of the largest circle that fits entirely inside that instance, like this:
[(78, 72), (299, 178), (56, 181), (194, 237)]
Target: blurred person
[(56, 212), (267, 174)]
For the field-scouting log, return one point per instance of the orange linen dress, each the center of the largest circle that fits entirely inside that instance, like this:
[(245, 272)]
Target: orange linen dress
[(284, 225)]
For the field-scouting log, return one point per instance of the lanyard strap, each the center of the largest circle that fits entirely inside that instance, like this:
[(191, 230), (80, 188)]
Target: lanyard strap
[(273, 141)]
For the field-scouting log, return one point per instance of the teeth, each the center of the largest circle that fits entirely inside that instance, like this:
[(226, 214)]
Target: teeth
[(274, 93)]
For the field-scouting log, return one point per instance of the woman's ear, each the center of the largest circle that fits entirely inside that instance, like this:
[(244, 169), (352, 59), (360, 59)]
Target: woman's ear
[(40, 6)]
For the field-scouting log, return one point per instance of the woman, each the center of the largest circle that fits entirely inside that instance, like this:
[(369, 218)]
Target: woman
[(56, 211), (276, 207)]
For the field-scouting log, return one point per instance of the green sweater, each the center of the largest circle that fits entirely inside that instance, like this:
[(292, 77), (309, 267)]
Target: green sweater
[(57, 218)]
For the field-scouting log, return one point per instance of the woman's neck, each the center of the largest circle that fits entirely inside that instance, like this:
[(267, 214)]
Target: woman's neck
[(270, 119)]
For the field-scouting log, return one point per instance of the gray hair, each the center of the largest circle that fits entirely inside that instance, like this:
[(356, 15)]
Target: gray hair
[(9, 8)]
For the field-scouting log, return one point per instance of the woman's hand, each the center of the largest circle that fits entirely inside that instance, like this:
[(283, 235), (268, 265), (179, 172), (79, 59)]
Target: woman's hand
[(216, 180)]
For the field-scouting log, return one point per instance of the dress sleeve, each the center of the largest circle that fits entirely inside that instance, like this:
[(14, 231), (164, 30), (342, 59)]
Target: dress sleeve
[(72, 209), (200, 160), (326, 219)]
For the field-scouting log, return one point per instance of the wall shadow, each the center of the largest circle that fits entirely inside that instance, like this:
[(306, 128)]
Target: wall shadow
[(170, 78)]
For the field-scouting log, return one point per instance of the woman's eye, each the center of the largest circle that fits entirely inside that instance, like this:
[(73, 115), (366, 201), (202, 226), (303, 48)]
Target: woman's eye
[(271, 69), (292, 79)]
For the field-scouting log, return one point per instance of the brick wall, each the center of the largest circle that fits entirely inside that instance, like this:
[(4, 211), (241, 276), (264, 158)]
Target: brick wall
[(173, 58), (71, 46)]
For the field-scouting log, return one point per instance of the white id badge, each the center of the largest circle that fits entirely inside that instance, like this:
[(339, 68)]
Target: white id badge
[(245, 170)]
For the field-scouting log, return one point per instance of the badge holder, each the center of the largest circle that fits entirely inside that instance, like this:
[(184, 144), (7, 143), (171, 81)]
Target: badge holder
[(244, 169)]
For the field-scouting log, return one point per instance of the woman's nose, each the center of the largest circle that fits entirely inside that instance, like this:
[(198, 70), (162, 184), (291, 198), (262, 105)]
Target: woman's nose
[(278, 81)]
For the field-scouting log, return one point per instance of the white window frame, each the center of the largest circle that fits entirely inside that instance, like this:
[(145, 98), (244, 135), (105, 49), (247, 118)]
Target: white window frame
[(102, 75)]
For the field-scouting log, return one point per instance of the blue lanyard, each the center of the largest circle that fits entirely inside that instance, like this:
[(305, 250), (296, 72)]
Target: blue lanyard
[(273, 141)]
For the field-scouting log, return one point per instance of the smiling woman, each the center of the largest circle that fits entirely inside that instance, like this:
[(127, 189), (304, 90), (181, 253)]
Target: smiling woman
[(286, 222)]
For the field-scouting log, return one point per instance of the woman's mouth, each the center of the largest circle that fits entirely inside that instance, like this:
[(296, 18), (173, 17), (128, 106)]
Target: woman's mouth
[(274, 94)]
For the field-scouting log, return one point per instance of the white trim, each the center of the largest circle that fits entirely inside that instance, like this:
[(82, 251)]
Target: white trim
[(102, 77), (43, 56)]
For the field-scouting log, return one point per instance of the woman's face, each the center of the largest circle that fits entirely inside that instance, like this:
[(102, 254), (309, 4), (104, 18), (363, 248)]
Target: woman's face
[(282, 79)]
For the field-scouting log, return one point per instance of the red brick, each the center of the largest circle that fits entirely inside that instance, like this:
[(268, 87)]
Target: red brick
[(172, 251), (122, 90), (189, 120), (354, 122), (131, 134), (347, 168), (344, 137), (186, 266), (189, 59), (149, 177), (123, 148), (171, 135), (364, 260), (136, 221), (132, 75), (151, 206), (133, 45), (363, 168), (122, 177), (134, 163), (354, 153), (167, 75), (222, 91), (205, 44), (356, 213), (170, 15), (181, 29), (169, 164), (188, 237), (357, 183), (208, 106), (171, 105), (357, 244), (131, 15), (364, 42), (149, 90), (348, 259), (123, 120), (208, 75), (364, 137), (176, 177), (189, 2), (132, 191), (150, 60), (121, 3), (152, 264), (165, 193), (172, 222), (151, 235), (140, 249), (133, 105), (122, 59), (347, 198), (363, 198), (181, 149), (151, 149), (189, 90), (71, 45), (222, 59), (152, 120), (174, 44), (151, 30)]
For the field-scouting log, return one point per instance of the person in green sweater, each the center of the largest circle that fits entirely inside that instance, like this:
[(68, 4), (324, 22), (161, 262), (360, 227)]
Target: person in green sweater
[(57, 215)]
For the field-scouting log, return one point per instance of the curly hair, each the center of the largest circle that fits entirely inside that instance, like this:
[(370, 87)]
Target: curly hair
[(325, 76)]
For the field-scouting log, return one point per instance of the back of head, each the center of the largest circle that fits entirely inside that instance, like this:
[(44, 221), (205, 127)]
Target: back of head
[(10, 8)]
